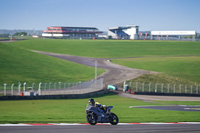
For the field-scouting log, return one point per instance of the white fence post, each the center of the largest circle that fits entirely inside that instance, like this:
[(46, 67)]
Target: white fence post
[(130, 84), (197, 89), (186, 88), (124, 84), (55, 85), (149, 87), (33, 86), (174, 88), (45, 84), (39, 89), (180, 88), (59, 85), (19, 88), (168, 88), (136, 86), (64, 85), (5, 89), (156, 85), (49, 85), (12, 89), (24, 87), (191, 89), (162, 87), (142, 87)]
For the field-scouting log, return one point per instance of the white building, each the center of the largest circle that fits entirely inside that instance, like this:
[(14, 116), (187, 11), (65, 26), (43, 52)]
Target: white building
[(173, 34), (127, 32)]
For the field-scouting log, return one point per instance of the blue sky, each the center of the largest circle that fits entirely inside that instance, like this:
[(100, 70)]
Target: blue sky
[(148, 14)]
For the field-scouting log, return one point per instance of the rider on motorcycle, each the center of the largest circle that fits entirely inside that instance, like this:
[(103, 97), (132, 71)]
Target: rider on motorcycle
[(97, 113), (97, 105)]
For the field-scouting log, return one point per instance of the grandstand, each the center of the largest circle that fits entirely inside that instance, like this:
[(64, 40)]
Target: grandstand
[(123, 32), (132, 32), (71, 32), (127, 32)]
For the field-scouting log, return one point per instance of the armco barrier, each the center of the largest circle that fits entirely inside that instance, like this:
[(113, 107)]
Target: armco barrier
[(69, 96)]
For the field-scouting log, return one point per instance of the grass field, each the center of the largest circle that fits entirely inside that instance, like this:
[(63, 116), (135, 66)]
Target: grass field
[(180, 59), (17, 64), (183, 67), (112, 48), (73, 110)]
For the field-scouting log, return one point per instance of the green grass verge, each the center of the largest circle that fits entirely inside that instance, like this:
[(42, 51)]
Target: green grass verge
[(4, 38), (112, 48), (183, 67), (17, 64), (158, 54), (73, 110), (162, 78)]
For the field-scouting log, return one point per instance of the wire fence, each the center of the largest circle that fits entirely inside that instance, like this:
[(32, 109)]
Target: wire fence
[(50, 88), (164, 88)]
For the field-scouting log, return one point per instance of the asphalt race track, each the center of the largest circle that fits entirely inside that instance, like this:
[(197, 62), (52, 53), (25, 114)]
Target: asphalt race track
[(114, 73), (157, 128)]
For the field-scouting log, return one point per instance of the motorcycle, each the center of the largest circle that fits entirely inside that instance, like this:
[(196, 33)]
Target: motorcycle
[(98, 115)]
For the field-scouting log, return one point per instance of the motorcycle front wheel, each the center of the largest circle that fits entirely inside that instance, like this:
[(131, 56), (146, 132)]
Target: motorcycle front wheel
[(91, 119), (113, 119)]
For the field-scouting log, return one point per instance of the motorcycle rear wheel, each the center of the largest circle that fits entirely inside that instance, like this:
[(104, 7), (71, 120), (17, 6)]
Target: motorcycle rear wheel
[(114, 119), (91, 119)]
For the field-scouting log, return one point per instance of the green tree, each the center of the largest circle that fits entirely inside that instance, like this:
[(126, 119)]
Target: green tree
[(20, 34), (110, 37)]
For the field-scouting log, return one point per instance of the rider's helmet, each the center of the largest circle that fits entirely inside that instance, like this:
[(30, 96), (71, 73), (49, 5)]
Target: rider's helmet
[(92, 102)]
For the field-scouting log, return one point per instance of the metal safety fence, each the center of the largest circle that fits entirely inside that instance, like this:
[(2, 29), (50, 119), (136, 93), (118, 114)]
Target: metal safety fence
[(164, 88), (50, 88)]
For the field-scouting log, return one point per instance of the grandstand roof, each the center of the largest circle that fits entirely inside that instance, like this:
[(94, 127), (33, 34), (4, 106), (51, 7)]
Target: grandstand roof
[(61, 27), (76, 30), (122, 27)]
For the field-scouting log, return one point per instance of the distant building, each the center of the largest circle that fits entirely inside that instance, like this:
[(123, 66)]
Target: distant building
[(167, 35), (127, 32), (144, 35), (173, 34), (71, 32), (132, 32)]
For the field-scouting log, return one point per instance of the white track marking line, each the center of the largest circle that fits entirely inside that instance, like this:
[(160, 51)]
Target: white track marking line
[(120, 124), (15, 125)]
